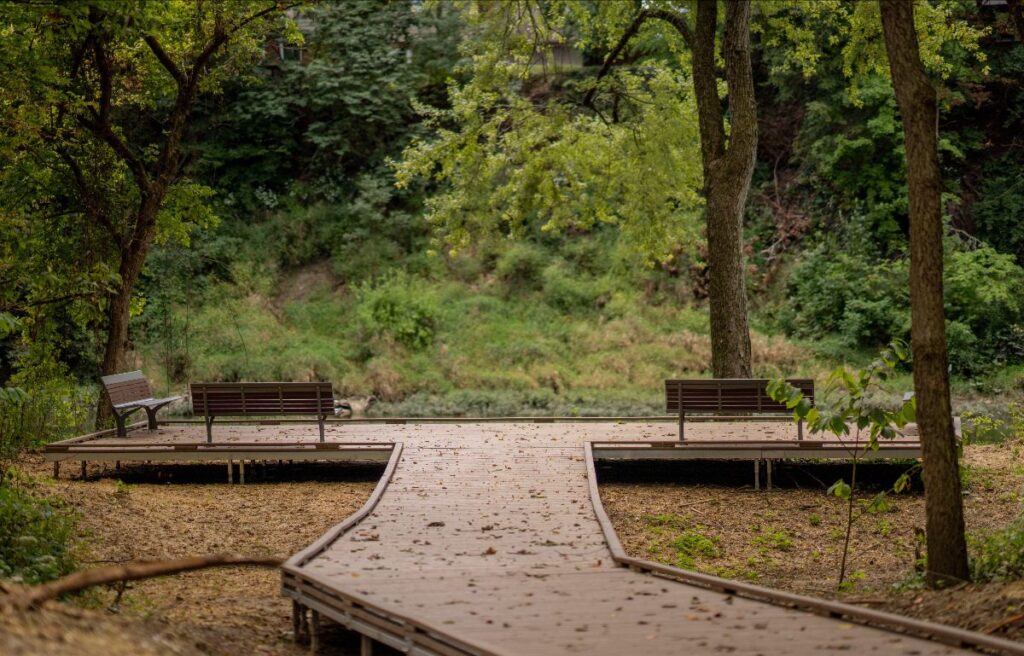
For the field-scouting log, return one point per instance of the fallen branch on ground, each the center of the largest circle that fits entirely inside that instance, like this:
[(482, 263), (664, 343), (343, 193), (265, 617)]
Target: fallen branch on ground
[(132, 571)]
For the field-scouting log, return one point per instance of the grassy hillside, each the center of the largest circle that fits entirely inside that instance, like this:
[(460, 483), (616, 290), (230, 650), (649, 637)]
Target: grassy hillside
[(521, 331)]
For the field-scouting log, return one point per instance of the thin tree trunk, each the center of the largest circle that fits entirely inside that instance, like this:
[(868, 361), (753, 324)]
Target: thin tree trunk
[(915, 96)]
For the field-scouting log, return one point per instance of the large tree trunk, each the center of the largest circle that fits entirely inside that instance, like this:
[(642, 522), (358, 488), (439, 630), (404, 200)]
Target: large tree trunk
[(947, 547), (727, 174)]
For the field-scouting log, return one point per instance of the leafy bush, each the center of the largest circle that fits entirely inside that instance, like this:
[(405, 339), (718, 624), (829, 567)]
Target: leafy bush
[(520, 268), (867, 303), (36, 537), (570, 293), (49, 406), (998, 555), (400, 307)]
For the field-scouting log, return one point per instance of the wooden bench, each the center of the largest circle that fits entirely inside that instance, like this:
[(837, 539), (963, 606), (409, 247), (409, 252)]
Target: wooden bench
[(129, 392), (261, 399), (729, 395)]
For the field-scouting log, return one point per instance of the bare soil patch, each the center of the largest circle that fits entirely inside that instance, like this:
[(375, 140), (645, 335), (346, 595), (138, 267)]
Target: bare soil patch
[(791, 537), (177, 511)]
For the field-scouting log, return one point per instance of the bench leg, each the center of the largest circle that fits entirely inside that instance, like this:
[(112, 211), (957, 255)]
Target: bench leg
[(682, 425), (83, 470), (365, 645), (322, 428), (241, 472), (209, 429), (121, 430), (56, 469), (757, 474), (151, 415), (768, 471), (231, 471), (800, 430)]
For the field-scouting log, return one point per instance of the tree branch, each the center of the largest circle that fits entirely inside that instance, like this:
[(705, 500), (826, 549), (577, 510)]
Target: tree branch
[(133, 571), (91, 209), (674, 19), (164, 59)]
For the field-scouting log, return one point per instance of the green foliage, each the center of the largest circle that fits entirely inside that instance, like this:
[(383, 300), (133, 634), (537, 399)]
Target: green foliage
[(520, 268), (517, 156), (694, 543), (45, 405), (36, 538), (774, 540), (866, 302), (999, 211), (398, 306), (998, 555)]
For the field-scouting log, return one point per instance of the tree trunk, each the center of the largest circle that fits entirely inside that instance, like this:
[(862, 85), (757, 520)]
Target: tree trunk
[(915, 96), (1016, 10), (727, 174), (119, 302)]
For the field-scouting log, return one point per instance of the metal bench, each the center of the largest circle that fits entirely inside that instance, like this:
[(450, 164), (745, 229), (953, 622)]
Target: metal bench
[(261, 399), (729, 395), (129, 392)]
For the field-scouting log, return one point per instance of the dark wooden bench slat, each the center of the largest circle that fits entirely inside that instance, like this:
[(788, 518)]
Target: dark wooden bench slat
[(733, 395), (262, 399)]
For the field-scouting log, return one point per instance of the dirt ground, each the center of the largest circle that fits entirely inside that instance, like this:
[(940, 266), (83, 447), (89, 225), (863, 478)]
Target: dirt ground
[(184, 510), (791, 537)]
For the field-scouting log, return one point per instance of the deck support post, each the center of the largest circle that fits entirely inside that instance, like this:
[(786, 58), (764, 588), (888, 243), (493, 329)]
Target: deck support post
[(314, 632), (757, 473), (83, 470), (56, 469), (768, 471), (298, 623), (231, 471), (365, 645), (241, 472)]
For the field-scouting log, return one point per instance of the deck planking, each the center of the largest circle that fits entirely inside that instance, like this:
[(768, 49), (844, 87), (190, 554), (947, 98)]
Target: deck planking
[(486, 539)]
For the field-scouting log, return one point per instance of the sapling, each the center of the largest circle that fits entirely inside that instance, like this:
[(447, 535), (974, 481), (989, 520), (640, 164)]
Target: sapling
[(856, 422)]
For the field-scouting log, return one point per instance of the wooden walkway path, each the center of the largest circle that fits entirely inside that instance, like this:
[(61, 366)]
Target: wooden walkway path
[(486, 540)]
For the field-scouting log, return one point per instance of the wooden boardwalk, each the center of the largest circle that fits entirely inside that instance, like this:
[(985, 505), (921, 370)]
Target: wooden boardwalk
[(484, 538)]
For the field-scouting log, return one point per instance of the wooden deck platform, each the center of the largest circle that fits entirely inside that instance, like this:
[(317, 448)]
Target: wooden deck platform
[(490, 538)]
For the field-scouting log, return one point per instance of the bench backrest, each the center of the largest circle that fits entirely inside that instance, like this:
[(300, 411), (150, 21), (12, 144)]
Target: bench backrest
[(728, 395), (127, 387), (241, 399)]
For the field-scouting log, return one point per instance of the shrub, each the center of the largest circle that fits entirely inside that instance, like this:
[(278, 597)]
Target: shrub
[(398, 306), (569, 293), (999, 555), (36, 537), (49, 406), (867, 303), (520, 268)]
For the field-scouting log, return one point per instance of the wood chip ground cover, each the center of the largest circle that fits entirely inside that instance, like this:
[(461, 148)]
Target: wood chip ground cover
[(218, 611), (791, 538)]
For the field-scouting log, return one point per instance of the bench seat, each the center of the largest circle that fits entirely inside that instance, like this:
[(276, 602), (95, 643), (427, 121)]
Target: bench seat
[(129, 392)]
